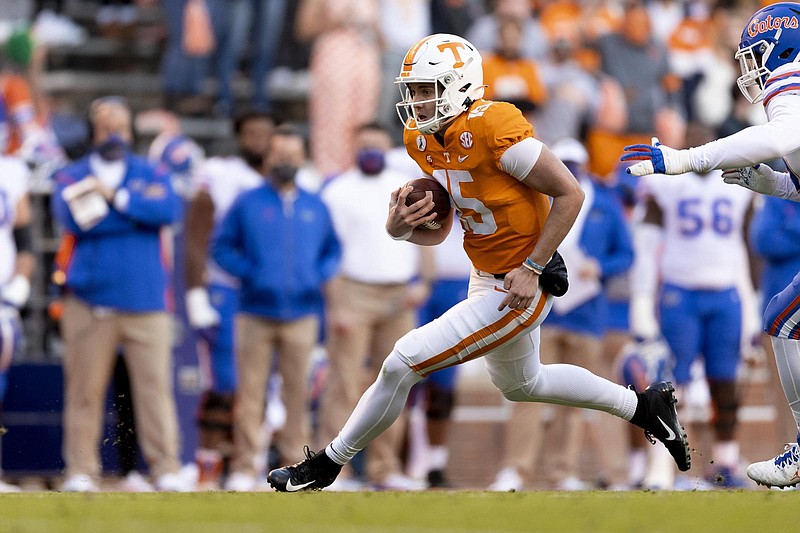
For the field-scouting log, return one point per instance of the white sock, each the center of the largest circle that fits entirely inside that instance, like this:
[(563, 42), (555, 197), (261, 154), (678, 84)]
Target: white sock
[(726, 454), (377, 409), (637, 465), (787, 358)]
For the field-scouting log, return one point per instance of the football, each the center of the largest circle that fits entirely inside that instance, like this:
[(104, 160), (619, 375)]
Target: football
[(441, 199)]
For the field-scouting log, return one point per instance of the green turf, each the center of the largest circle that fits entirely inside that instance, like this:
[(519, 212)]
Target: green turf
[(440, 512)]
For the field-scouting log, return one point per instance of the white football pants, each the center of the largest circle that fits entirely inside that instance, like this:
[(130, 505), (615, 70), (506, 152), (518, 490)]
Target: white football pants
[(509, 342)]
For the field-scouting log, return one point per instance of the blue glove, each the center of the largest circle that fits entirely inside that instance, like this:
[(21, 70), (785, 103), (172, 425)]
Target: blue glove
[(656, 158)]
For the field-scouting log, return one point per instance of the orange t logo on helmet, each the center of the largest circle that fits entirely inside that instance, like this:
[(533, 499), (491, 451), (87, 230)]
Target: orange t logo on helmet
[(453, 47)]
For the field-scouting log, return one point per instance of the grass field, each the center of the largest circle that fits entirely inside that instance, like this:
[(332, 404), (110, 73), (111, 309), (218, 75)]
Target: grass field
[(441, 512)]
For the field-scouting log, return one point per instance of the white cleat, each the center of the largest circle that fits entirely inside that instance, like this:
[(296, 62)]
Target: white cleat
[(508, 479), (782, 471)]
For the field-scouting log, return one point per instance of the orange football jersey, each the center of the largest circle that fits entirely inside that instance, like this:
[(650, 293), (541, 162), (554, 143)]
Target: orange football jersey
[(502, 217)]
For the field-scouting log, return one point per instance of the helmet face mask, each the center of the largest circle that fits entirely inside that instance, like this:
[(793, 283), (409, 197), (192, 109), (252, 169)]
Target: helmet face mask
[(770, 40), (453, 66)]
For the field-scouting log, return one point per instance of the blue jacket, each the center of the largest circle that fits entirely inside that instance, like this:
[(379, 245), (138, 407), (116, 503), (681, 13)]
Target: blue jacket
[(605, 237), (775, 235), (119, 262), (282, 253)]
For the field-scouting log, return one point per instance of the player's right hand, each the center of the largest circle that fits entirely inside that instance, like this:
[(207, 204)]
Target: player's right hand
[(759, 178), (404, 218), (199, 311)]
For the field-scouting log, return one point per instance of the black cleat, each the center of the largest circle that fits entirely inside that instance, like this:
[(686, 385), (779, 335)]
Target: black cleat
[(437, 480), (661, 422), (315, 472)]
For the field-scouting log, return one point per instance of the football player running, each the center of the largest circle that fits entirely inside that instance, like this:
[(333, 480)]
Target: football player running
[(501, 180), (769, 56)]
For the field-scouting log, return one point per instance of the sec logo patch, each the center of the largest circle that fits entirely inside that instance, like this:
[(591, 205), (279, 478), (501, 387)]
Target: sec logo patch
[(421, 143), (466, 140)]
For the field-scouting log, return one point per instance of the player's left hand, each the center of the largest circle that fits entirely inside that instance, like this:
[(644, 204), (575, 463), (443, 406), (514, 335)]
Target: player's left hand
[(759, 178), (655, 158), (521, 284)]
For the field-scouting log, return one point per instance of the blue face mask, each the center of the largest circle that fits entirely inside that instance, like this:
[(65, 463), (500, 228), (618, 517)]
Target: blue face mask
[(371, 161), (113, 148)]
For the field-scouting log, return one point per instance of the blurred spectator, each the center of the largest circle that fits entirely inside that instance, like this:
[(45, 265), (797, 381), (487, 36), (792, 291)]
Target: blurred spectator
[(252, 26), (176, 151), (640, 64), (184, 63), (666, 16), (211, 297), (485, 31), (117, 18), (402, 23), (279, 241), (598, 246), (574, 95), (510, 77), (562, 19), (690, 292), (345, 69), (115, 206), (17, 264), (24, 130), (455, 16), (691, 52), (375, 299)]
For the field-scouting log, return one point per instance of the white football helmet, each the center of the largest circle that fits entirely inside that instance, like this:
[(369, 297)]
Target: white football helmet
[(454, 66)]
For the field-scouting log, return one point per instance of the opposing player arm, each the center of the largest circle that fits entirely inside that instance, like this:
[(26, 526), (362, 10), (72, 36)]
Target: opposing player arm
[(18, 288), (647, 240), (199, 224), (752, 145)]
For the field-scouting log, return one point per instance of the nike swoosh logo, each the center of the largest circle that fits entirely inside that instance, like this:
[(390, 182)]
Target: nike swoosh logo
[(291, 487), (462, 158), (670, 434)]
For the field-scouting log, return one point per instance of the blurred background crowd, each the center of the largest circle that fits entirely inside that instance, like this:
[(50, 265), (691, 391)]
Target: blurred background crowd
[(218, 97)]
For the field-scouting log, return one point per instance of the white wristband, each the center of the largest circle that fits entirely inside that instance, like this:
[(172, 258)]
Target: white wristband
[(403, 237)]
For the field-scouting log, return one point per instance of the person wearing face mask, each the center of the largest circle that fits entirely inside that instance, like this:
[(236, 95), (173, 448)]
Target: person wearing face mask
[(381, 285), (113, 206), (279, 241), (211, 297)]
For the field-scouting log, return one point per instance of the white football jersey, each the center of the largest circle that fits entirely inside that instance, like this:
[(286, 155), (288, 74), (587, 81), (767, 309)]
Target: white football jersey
[(224, 178), (14, 178), (704, 245)]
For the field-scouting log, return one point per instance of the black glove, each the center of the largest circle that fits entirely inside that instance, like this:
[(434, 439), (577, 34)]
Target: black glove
[(554, 279)]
